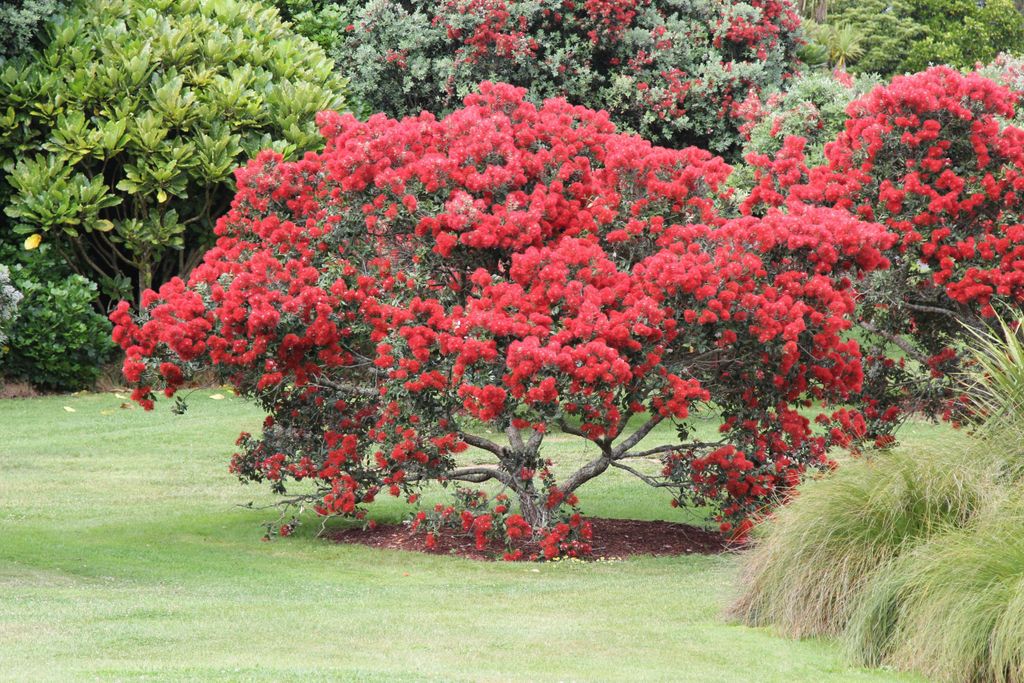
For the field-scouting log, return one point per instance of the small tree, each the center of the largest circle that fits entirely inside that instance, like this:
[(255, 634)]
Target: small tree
[(524, 268)]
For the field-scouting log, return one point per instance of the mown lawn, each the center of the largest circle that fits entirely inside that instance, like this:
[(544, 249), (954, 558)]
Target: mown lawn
[(124, 554)]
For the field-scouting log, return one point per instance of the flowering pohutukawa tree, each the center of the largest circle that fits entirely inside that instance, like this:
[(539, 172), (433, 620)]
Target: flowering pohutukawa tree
[(673, 72), (525, 269), (931, 157)]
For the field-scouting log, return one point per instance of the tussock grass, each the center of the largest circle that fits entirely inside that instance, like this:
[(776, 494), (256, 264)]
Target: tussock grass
[(915, 559), (951, 608), (811, 560)]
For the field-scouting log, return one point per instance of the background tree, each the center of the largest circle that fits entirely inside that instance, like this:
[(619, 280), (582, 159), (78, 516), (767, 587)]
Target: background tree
[(932, 157), (21, 22), (672, 72)]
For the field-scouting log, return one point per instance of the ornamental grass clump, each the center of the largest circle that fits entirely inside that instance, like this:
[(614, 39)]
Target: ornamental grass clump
[(811, 560), (995, 392), (952, 608)]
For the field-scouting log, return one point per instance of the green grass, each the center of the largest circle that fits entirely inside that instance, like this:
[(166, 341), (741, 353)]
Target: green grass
[(124, 554)]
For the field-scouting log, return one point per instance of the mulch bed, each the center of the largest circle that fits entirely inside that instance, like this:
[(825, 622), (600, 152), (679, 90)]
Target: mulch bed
[(613, 539)]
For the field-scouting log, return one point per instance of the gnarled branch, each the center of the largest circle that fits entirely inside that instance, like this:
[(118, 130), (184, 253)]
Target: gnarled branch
[(637, 436), (650, 481)]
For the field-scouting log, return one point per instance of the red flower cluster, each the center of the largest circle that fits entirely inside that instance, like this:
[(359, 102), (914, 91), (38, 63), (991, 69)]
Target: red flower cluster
[(521, 266), (931, 157)]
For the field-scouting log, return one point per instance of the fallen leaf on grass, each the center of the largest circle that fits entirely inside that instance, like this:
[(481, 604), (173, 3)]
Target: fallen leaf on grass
[(69, 409), (217, 397)]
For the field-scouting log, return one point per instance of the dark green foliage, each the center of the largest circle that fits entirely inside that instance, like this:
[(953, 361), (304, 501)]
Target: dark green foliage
[(58, 341), (888, 28), (21, 21), (902, 36)]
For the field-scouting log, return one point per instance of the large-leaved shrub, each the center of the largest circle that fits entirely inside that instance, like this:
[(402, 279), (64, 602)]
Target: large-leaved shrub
[(121, 134)]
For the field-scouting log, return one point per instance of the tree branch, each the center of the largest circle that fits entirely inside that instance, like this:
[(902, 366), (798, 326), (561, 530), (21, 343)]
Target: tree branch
[(587, 472), (533, 444), (930, 309), (482, 473), (515, 438), (348, 387), (482, 443), (569, 429), (650, 481), (895, 339), (637, 436)]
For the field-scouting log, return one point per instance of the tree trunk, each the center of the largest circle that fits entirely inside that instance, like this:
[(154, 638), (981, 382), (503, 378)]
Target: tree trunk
[(145, 274), (531, 507)]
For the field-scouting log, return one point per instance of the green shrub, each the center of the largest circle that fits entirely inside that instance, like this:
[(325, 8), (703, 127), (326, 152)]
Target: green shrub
[(322, 21), (811, 560), (126, 127), (21, 22), (952, 608), (903, 36), (888, 30), (813, 107), (58, 340)]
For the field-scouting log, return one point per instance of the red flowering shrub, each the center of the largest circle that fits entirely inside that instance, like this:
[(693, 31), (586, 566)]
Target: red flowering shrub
[(931, 157), (676, 73), (520, 267)]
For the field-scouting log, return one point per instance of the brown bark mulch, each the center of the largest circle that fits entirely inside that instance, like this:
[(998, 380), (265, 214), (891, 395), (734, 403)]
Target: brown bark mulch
[(613, 539)]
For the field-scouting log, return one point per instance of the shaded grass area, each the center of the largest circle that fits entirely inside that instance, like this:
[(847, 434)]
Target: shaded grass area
[(124, 554)]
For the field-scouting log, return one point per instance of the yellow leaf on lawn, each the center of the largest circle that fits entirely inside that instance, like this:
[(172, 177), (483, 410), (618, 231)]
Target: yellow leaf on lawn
[(33, 241), (69, 409), (121, 396), (107, 412), (217, 397)]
